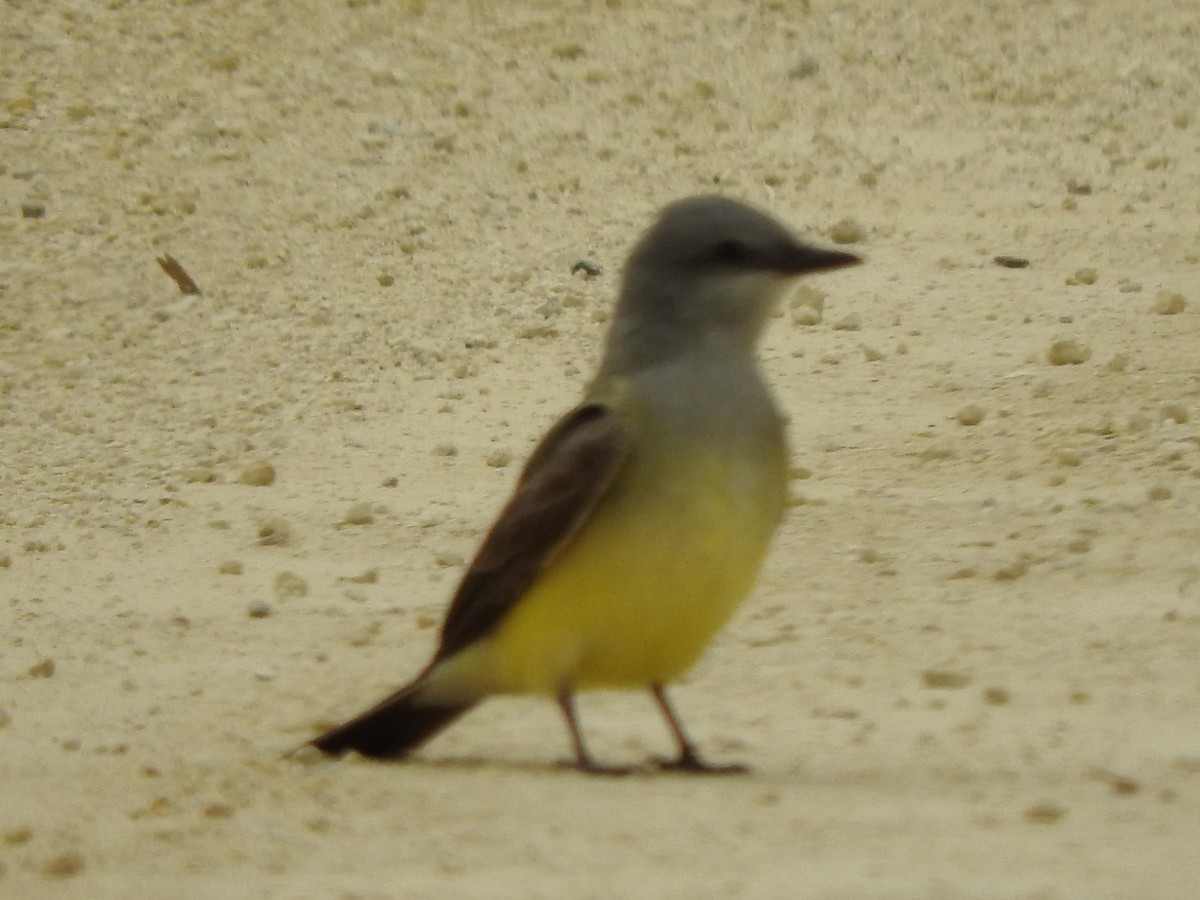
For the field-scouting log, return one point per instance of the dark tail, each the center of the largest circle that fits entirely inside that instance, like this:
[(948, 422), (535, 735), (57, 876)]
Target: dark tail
[(391, 729)]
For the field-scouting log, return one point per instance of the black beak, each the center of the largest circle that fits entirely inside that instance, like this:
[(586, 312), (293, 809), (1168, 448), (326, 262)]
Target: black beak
[(799, 259)]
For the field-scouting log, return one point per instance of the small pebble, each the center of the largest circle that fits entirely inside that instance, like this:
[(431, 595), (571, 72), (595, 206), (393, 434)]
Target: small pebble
[(852, 322), (230, 567), (809, 297), (274, 532), (5, 718), (15, 837), (588, 268), (1068, 457), (1011, 262), (42, 669), (870, 354), (64, 865), (1159, 493), (996, 696), (33, 210), (1119, 362), (1169, 303), (306, 755), (1083, 276), (1018, 568), (1173, 412), (258, 609), (940, 679), (498, 459), (359, 514), (1045, 813), (259, 474), (847, 231), (805, 316), (971, 414), (445, 450), (1068, 353), (289, 585)]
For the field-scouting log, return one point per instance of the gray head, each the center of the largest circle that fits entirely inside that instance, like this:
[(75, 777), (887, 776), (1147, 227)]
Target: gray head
[(709, 268)]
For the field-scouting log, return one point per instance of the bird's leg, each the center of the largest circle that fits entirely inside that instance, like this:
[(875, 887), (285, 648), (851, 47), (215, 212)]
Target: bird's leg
[(583, 759), (688, 760)]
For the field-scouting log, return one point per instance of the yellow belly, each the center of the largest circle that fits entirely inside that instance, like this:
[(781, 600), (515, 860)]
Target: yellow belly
[(636, 597)]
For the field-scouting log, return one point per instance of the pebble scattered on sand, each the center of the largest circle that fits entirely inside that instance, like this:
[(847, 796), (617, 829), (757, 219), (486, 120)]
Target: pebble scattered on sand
[(1068, 353), (258, 474), (43, 668), (64, 865), (1173, 412), (996, 696), (805, 316), (359, 514), (1011, 262), (944, 680), (805, 295), (847, 231), (274, 532), (258, 609), (1169, 303), (289, 585), (850, 322), (971, 414), (499, 458), (1044, 813), (871, 354)]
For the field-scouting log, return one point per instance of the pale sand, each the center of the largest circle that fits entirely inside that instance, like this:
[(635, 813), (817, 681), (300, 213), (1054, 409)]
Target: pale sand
[(972, 665)]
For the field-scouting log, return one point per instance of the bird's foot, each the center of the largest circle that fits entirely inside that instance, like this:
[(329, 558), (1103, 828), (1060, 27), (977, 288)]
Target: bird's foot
[(690, 763)]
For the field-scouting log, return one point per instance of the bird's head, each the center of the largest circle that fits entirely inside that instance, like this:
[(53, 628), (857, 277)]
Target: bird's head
[(711, 266)]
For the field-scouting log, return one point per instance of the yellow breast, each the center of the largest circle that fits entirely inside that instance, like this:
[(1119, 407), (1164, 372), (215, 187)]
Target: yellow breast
[(642, 589)]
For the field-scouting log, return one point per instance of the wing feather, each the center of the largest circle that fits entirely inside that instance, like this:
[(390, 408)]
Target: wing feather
[(566, 476)]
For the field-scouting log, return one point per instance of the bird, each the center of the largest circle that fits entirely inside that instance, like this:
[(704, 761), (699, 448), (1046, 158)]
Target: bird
[(640, 520)]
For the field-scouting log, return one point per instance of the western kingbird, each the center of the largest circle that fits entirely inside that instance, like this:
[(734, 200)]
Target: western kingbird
[(641, 518)]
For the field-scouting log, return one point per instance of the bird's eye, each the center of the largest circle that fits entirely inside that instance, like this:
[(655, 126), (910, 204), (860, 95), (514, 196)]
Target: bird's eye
[(733, 253)]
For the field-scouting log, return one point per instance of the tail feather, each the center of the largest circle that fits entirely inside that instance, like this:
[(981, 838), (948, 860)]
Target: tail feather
[(392, 728)]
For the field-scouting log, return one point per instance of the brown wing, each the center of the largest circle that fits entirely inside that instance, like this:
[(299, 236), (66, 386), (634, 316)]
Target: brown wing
[(568, 473)]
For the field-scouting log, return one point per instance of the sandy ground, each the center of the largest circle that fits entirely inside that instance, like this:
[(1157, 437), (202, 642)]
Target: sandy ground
[(970, 668)]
